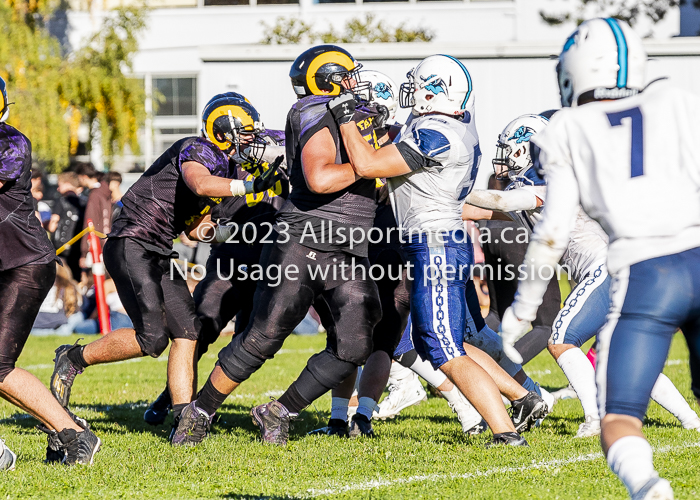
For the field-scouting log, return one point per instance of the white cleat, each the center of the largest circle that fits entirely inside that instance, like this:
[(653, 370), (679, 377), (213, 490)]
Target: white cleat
[(402, 394), (565, 393), (472, 423), (548, 398), (693, 424), (589, 428), (655, 489), (7, 458)]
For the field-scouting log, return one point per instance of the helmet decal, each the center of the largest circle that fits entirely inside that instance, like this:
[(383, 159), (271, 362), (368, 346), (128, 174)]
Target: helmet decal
[(436, 87), (621, 52), (569, 41), (382, 91), (521, 135)]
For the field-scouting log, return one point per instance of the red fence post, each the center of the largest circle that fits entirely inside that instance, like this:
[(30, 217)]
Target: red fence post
[(98, 274)]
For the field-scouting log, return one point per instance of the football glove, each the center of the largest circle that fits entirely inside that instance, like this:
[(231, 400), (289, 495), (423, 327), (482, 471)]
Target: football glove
[(383, 116), (342, 108), (269, 177), (511, 330)]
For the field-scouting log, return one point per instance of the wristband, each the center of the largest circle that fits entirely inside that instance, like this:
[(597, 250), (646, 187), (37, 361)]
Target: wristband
[(222, 233), (238, 188)]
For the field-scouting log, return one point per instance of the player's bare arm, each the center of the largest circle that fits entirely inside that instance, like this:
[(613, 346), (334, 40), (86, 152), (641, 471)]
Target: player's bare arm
[(200, 180), (368, 162), (321, 172)]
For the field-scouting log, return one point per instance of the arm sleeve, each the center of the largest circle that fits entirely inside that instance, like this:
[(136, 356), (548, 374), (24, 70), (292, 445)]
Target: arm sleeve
[(14, 152), (551, 234), (424, 146), (413, 158), (503, 201), (205, 154)]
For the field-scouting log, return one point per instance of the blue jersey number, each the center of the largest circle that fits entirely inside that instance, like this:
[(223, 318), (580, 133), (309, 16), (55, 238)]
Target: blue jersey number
[(637, 119)]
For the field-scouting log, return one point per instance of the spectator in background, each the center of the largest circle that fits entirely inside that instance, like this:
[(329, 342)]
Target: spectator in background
[(68, 219), (60, 311), (90, 324), (41, 208), (114, 181), (99, 203)]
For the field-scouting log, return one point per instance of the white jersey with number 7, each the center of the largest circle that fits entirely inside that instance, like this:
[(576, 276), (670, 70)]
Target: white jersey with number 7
[(634, 166)]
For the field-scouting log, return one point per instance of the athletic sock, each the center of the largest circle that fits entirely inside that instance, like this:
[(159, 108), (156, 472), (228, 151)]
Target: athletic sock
[(530, 386), (366, 407), (339, 408), (581, 376), (425, 370), (210, 399), (453, 395), (666, 394), (398, 373), (177, 409), (630, 458), (75, 354)]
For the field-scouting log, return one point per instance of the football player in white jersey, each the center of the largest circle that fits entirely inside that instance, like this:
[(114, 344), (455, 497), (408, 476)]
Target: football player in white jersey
[(623, 149), (431, 168), (585, 309)]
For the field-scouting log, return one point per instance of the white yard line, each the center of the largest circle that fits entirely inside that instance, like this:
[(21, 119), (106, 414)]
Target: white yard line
[(385, 483)]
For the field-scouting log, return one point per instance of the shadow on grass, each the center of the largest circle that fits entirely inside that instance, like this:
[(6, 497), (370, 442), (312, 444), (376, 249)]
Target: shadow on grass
[(238, 496)]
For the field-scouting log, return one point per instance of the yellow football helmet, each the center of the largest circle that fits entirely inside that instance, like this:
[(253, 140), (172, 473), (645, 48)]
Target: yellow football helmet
[(227, 119), (320, 70)]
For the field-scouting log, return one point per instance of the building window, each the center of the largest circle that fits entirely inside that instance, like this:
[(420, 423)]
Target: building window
[(177, 96)]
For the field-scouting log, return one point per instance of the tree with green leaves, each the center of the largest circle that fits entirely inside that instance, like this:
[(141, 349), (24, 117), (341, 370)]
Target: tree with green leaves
[(356, 30), (629, 11), (54, 93)]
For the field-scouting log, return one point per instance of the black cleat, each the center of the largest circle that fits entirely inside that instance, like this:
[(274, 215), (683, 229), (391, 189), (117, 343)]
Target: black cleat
[(335, 427), (360, 426), (524, 412), (191, 426), (64, 373), (54, 447), (509, 438), (79, 447), (273, 420), (159, 409)]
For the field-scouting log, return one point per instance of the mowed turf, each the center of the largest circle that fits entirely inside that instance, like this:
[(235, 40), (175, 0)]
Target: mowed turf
[(421, 454)]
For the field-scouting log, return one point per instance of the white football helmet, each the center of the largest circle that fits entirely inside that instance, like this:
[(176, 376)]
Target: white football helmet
[(603, 58), (440, 84), (513, 156), (382, 91)]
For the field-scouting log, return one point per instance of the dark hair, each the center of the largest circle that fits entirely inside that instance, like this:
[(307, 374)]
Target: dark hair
[(84, 168), (36, 174), (113, 176)]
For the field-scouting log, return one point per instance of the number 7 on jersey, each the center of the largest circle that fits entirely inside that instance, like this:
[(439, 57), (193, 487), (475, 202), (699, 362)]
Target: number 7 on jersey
[(637, 153)]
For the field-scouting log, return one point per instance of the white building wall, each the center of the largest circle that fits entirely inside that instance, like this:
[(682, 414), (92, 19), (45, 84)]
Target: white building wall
[(522, 82)]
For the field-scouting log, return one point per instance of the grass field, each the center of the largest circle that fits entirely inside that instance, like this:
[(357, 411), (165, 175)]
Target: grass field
[(421, 454)]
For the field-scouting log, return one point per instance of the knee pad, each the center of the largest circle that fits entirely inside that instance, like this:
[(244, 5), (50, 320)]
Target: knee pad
[(488, 341), (328, 369), (355, 351), (152, 345), (237, 362), (407, 359)]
